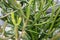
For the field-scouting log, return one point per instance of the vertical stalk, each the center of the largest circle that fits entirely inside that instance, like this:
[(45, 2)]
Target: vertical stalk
[(16, 32), (15, 24)]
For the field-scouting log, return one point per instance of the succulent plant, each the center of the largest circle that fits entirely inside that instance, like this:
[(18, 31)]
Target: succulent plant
[(30, 19)]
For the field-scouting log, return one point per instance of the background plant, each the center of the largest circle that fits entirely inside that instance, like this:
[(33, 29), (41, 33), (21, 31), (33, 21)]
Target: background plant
[(30, 20)]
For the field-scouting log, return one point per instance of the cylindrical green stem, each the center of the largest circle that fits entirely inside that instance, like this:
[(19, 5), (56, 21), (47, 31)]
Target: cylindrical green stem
[(16, 32)]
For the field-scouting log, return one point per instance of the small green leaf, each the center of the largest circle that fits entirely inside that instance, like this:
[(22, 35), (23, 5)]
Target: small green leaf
[(12, 17), (28, 12), (19, 21)]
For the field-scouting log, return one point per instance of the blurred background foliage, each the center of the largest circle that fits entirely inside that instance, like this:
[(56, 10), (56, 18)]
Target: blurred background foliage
[(30, 20)]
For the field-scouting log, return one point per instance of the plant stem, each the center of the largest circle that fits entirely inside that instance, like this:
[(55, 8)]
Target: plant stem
[(16, 32)]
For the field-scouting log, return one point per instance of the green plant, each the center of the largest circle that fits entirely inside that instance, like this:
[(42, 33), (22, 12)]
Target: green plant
[(31, 20)]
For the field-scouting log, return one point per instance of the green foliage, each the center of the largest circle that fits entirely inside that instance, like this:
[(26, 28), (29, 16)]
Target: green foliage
[(31, 19)]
